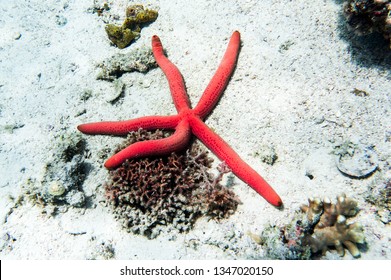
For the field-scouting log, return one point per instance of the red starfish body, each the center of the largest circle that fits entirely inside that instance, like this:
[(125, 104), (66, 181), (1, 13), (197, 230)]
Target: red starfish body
[(187, 122)]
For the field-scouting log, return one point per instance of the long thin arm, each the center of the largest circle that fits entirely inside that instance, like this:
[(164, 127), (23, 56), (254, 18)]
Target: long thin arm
[(124, 127), (238, 166), (178, 141), (220, 79), (174, 77)]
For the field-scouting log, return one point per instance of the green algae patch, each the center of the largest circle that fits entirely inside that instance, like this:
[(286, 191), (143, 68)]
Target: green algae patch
[(136, 17), (120, 36)]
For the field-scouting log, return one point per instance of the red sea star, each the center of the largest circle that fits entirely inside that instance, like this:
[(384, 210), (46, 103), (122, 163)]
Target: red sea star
[(188, 121)]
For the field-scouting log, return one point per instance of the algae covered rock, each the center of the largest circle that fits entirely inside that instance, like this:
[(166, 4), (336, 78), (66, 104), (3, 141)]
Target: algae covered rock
[(136, 17), (137, 14), (120, 36)]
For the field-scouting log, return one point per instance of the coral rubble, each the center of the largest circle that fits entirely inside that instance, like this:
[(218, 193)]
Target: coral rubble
[(150, 194), (367, 16), (136, 16), (319, 227), (100, 249), (140, 60), (379, 194), (59, 185), (99, 8)]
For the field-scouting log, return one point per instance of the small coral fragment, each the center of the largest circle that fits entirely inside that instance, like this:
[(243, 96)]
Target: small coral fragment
[(136, 16), (268, 154), (319, 227), (99, 7)]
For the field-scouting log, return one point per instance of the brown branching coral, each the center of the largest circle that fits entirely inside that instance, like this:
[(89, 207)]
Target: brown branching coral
[(149, 194), (367, 16), (326, 212), (319, 226), (339, 235), (332, 229)]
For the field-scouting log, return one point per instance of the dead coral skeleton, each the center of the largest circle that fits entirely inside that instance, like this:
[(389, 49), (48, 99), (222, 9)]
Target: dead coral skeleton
[(150, 194)]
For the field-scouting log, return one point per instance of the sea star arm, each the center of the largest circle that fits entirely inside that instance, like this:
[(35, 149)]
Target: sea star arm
[(240, 168), (178, 141), (124, 127), (220, 79), (174, 77)]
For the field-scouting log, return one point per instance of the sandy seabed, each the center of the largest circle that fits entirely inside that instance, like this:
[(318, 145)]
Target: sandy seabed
[(293, 90)]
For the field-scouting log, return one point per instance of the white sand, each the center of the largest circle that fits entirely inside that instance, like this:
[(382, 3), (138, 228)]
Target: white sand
[(276, 97)]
